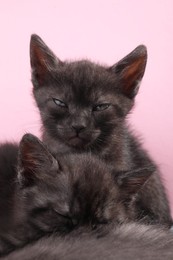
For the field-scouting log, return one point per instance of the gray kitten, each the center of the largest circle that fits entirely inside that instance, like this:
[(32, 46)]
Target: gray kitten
[(83, 107), (57, 195)]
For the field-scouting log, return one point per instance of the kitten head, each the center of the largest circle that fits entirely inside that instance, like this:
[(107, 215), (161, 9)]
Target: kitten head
[(82, 103), (73, 190)]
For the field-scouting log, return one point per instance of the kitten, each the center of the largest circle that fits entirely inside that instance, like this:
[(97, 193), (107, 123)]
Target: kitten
[(83, 107), (130, 241), (59, 194)]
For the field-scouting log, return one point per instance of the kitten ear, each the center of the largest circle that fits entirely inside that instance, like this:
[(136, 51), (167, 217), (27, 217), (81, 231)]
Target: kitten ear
[(34, 161), (43, 60), (131, 182), (130, 71)]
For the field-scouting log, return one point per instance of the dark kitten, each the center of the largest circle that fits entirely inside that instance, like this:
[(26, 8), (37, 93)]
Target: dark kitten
[(126, 242), (83, 108), (57, 195)]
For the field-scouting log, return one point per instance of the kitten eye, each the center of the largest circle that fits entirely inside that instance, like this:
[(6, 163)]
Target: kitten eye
[(101, 107), (40, 210), (73, 221), (60, 214), (59, 102)]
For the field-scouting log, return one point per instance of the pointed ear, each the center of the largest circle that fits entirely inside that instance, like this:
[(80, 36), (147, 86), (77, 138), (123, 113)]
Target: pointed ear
[(130, 70), (131, 182), (43, 60), (34, 161)]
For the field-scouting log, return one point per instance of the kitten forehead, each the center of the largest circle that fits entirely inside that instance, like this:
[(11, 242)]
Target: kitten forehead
[(84, 73), (87, 83)]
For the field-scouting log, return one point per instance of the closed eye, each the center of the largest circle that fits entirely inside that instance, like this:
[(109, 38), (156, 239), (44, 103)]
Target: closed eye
[(61, 215), (50, 210), (101, 107), (40, 210), (59, 102)]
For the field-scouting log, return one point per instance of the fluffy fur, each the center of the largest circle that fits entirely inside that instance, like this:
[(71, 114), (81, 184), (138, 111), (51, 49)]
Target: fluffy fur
[(126, 242)]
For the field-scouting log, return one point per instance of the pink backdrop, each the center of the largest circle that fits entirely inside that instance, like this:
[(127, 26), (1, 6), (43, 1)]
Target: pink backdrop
[(104, 31)]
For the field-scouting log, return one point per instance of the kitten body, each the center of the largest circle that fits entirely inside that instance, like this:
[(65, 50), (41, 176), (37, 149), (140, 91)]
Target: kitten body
[(56, 195), (83, 107), (130, 241), (8, 158)]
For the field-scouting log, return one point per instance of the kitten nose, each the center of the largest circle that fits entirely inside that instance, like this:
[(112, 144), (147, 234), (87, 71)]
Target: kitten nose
[(78, 128)]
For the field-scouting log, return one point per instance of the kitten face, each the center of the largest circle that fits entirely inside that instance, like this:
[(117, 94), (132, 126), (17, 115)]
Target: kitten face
[(72, 191), (81, 103), (78, 110)]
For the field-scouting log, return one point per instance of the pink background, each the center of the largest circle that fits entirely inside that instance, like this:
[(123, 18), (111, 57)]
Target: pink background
[(103, 31)]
